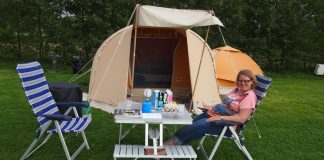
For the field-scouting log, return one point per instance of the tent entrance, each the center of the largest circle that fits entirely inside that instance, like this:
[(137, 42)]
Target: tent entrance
[(154, 62)]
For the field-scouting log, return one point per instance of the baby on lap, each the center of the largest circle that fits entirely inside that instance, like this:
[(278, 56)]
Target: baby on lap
[(229, 106)]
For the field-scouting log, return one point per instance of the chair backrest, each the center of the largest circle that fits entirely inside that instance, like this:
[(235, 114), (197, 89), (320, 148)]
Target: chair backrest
[(262, 84), (37, 91)]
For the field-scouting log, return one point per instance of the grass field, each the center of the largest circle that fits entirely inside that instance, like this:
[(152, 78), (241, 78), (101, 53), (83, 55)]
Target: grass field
[(290, 120)]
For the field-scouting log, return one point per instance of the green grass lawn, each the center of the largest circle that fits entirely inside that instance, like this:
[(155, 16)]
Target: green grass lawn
[(290, 120)]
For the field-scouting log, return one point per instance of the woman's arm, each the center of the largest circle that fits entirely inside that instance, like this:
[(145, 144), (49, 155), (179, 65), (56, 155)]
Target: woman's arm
[(241, 117)]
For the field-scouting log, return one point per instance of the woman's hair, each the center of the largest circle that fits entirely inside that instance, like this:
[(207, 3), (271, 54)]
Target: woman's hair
[(249, 74)]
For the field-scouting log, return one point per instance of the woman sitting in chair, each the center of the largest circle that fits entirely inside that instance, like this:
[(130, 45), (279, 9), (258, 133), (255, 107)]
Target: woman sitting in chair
[(236, 107)]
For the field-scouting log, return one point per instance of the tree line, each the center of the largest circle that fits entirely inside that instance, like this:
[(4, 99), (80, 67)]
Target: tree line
[(277, 34)]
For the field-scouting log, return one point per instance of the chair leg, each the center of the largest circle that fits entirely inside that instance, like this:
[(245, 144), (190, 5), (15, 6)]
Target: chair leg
[(29, 151), (45, 140), (200, 143), (67, 153), (59, 132), (29, 148), (220, 138), (77, 152), (240, 146), (237, 142), (85, 140), (247, 154), (201, 147)]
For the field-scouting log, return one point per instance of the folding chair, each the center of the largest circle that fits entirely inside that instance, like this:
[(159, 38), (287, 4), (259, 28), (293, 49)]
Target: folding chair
[(260, 90), (45, 109)]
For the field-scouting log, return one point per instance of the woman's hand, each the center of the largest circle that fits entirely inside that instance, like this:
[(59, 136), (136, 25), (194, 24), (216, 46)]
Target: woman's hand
[(213, 118)]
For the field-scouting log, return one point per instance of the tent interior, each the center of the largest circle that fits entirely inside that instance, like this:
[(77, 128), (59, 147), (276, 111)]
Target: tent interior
[(161, 61)]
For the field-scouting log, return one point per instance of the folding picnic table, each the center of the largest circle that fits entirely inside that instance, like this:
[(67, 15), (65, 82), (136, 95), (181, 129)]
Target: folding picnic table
[(137, 151)]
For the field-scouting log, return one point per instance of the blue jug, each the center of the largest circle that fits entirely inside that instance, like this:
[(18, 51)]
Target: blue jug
[(146, 106)]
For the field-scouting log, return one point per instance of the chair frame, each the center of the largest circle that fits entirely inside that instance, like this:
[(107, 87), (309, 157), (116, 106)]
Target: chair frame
[(29, 151), (237, 139), (45, 109), (237, 136)]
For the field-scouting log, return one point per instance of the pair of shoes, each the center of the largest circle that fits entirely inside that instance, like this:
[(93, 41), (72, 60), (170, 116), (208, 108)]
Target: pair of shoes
[(151, 151), (162, 152)]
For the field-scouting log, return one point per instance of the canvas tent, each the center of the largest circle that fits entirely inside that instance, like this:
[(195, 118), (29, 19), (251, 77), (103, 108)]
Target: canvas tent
[(158, 51), (228, 62)]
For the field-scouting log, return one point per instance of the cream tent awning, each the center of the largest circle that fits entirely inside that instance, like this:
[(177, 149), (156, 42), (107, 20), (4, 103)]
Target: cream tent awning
[(151, 16)]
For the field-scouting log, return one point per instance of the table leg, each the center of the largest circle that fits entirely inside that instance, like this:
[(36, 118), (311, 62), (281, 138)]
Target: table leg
[(123, 135), (146, 134), (161, 134), (120, 132)]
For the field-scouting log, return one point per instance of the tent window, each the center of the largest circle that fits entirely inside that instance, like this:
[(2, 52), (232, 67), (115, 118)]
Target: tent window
[(154, 62)]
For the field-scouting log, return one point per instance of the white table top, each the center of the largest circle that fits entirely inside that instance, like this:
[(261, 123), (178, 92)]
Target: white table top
[(167, 117)]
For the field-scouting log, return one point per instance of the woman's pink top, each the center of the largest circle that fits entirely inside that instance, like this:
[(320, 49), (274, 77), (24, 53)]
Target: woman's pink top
[(243, 101)]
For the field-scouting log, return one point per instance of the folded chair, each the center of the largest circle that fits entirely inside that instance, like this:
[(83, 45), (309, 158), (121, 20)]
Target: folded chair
[(46, 111), (237, 135)]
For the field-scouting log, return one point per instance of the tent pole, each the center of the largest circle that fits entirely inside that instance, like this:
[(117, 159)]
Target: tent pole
[(222, 35), (201, 57), (134, 52)]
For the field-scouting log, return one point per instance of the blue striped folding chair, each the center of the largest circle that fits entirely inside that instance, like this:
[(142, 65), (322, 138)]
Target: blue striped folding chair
[(46, 111), (262, 85)]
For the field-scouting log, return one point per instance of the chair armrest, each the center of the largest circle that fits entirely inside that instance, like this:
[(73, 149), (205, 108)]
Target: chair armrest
[(225, 123), (70, 104), (233, 123), (55, 116)]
